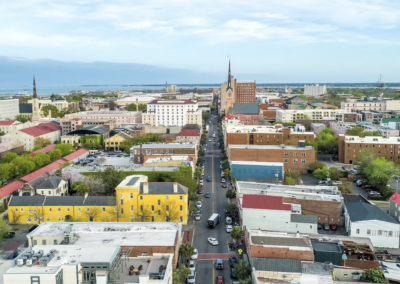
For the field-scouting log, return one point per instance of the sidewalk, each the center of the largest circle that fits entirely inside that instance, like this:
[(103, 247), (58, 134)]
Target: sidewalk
[(188, 236)]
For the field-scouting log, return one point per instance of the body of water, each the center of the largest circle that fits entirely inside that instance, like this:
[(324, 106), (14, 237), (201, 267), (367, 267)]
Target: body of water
[(48, 90)]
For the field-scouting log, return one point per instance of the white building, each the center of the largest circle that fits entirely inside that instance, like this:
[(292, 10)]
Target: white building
[(53, 186), (27, 136), (120, 117), (315, 91), (9, 109), (289, 115), (135, 99), (172, 113), (9, 126), (57, 264), (369, 221), (60, 104)]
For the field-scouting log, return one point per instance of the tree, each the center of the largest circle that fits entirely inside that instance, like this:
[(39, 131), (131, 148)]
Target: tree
[(7, 171), (15, 216), (359, 131), (317, 165), (23, 118), (201, 152), (41, 160), (95, 185), (92, 213), (230, 193), (335, 174), (327, 141), (54, 111), (247, 281), (42, 142), (236, 233), (170, 211), (232, 209), (225, 165), (82, 189), (75, 186), (23, 166), (374, 276), (112, 105), (292, 177), (242, 270), (101, 160), (205, 115), (181, 274), (144, 214), (379, 172), (65, 149), (193, 210), (4, 229), (227, 172), (117, 211), (37, 214), (111, 178), (321, 174), (143, 107), (345, 188), (198, 173), (55, 154), (131, 107), (9, 157), (187, 250)]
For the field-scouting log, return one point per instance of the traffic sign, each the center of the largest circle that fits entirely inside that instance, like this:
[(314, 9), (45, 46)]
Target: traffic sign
[(240, 251)]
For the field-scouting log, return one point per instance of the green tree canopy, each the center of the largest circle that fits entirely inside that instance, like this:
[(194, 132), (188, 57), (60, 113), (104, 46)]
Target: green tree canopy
[(321, 174), (237, 233), (242, 270), (181, 274), (9, 157), (205, 115), (379, 172), (22, 118), (359, 131), (42, 142), (335, 174), (374, 276), (65, 149), (41, 160), (327, 141), (131, 107), (55, 154), (54, 111), (317, 165)]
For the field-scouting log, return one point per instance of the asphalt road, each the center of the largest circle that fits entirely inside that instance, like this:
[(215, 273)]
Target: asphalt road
[(205, 272)]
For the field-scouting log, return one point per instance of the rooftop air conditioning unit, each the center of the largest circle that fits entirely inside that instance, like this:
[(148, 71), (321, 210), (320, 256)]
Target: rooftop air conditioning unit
[(20, 262)]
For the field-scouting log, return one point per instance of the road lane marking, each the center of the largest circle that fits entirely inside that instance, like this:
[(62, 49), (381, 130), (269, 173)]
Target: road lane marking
[(212, 174), (193, 236), (213, 207), (213, 273)]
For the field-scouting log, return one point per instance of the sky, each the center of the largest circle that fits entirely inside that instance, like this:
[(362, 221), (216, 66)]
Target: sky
[(270, 41)]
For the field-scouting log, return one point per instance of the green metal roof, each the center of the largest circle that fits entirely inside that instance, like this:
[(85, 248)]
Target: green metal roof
[(387, 120), (277, 265)]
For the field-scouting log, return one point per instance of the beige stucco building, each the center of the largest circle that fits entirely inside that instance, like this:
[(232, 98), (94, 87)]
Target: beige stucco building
[(120, 117)]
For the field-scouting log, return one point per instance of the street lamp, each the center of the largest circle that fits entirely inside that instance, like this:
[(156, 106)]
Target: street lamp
[(277, 176)]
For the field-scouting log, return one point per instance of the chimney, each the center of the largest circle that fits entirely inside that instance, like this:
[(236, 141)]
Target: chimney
[(145, 188), (175, 187), (86, 195), (49, 113)]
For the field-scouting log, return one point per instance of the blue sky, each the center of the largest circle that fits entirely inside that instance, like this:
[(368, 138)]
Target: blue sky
[(268, 40)]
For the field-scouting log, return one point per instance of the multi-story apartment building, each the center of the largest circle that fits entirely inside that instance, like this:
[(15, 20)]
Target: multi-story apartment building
[(315, 91), (350, 148), (120, 117), (160, 149), (172, 113), (286, 115), (350, 117), (370, 103), (140, 200), (264, 135), (245, 92), (73, 124), (9, 109), (294, 157), (188, 136)]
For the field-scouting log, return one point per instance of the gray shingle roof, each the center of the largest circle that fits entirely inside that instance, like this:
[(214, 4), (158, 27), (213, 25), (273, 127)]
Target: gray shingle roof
[(277, 265), (100, 200), (51, 183), (325, 246), (64, 200), (163, 188), (91, 130), (25, 108), (360, 211), (349, 198), (275, 241), (252, 108), (309, 219), (27, 200)]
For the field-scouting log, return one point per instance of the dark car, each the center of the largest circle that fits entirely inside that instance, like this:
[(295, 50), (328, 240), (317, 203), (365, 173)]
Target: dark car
[(220, 280), (233, 273), (199, 191), (9, 235), (208, 195), (333, 227), (319, 226), (326, 227), (219, 264), (232, 261)]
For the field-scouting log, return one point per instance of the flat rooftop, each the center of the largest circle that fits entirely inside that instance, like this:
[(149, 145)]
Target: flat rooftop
[(372, 139), (66, 255), (257, 163), (132, 181), (277, 239), (113, 233), (260, 129), (270, 147), (309, 192), (165, 145)]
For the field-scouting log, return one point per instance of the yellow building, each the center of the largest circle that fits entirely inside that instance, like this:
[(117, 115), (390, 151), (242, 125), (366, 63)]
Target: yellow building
[(112, 143), (38, 209), (140, 200)]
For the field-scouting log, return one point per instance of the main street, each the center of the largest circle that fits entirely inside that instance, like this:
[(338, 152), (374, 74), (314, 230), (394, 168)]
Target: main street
[(205, 271)]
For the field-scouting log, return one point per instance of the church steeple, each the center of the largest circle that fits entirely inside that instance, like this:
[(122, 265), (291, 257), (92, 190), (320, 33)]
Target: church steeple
[(34, 88), (229, 77)]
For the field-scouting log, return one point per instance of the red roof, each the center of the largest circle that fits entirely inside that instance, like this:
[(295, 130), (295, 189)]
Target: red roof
[(395, 198), (7, 122), (10, 188), (75, 155), (41, 129), (172, 102), (45, 149), (47, 169), (255, 201), (188, 133)]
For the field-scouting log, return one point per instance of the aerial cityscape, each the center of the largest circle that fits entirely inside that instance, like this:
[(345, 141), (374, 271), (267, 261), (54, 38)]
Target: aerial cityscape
[(194, 142)]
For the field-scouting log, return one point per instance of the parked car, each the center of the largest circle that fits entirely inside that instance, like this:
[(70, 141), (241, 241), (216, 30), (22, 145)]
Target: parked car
[(232, 261), (220, 280), (198, 204), (224, 185), (199, 191), (191, 264), (233, 273), (192, 278), (219, 264), (366, 186), (228, 220), (326, 227), (333, 227), (228, 228), (195, 255), (337, 183), (223, 180), (319, 226), (321, 182), (197, 217), (359, 182)]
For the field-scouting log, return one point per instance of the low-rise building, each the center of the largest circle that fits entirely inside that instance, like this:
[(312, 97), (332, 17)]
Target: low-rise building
[(322, 201), (135, 99), (257, 171), (113, 143), (120, 117), (174, 149), (73, 124), (8, 126), (95, 135), (248, 113), (9, 109), (370, 104), (53, 186), (286, 115), (188, 136), (60, 104), (369, 221), (297, 158)]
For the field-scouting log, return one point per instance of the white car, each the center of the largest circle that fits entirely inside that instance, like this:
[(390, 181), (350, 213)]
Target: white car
[(197, 217), (228, 228), (213, 241), (222, 174), (195, 255), (209, 140), (198, 204), (223, 180), (191, 265), (192, 278), (337, 183)]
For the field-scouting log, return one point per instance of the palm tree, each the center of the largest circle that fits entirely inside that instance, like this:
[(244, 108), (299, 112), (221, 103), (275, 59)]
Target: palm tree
[(237, 233), (242, 270), (187, 250), (181, 274)]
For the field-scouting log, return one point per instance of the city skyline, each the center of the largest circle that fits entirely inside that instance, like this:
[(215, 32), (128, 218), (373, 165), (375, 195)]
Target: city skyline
[(274, 42)]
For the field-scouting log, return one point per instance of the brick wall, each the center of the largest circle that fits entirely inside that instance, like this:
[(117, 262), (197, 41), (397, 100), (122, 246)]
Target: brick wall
[(326, 211), (264, 106), (281, 253), (258, 138), (270, 114), (137, 251), (361, 264)]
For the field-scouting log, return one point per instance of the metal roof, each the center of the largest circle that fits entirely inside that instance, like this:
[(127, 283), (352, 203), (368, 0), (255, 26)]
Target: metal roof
[(91, 129), (349, 198), (64, 200), (250, 108), (280, 241), (255, 201), (132, 181), (163, 188), (100, 200), (277, 265), (10, 188), (309, 219), (325, 246), (165, 146), (27, 200), (51, 183), (360, 211), (25, 108)]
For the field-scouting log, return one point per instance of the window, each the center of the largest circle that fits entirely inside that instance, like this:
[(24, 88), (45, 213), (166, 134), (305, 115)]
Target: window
[(67, 209), (55, 242), (390, 234), (104, 209), (131, 195), (59, 209), (122, 210), (368, 232), (87, 209), (35, 280), (181, 218), (29, 219), (167, 208), (357, 231), (180, 197), (79, 209), (295, 161), (303, 161), (49, 209), (141, 197), (303, 154), (159, 202), (16, 209), (152, 218), (286, 154), (43, 242), (152, 208), (59, 218), (181, 207), (144, 253), (379, 232), (166, 197), (159, 213), (122, 201), (295, 154), (35, 242)]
